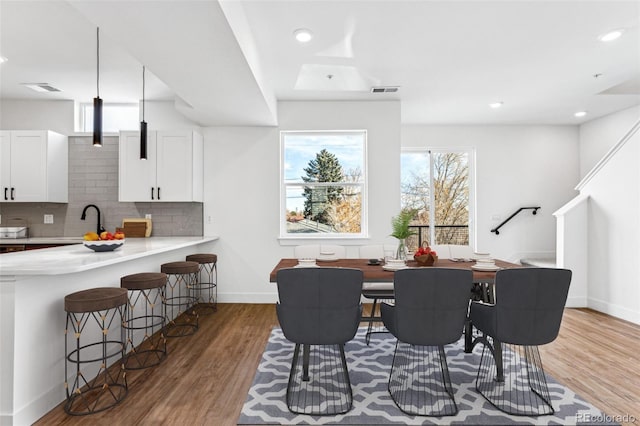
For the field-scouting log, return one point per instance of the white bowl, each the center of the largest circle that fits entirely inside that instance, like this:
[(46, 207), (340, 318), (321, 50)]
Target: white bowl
[(396, 262), (103, 245)]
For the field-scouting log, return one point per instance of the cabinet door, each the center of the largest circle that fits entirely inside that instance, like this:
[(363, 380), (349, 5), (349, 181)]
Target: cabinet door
[(137, 178), (175, 165), (28, 166), (5, 165)]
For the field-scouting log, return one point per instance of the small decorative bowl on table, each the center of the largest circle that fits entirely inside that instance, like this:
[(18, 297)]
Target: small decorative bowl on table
[(104, 245), (425, 259)]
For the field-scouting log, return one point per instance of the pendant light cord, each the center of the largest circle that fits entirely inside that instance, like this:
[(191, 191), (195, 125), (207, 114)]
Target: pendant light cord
[(143, 93), (98, 61)]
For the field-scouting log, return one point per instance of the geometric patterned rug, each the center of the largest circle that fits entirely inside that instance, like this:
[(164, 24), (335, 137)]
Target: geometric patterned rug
[(369, 373)]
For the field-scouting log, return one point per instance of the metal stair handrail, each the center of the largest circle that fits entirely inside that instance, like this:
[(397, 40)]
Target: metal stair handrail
[(535, 211)]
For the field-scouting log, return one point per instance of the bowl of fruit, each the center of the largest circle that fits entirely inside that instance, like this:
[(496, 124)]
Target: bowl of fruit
[(425, 256), (105, 241)]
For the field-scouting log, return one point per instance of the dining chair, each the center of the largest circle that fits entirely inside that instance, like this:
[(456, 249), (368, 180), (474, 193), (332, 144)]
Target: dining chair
[(527, 313), (442, 250), (437, 300), (333, 251), (319, 310), (458, 251), (377, 292), (309, 251)]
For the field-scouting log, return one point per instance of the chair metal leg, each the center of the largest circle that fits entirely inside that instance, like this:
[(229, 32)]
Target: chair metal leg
[(319, 381), (513, 379), (419, 381)]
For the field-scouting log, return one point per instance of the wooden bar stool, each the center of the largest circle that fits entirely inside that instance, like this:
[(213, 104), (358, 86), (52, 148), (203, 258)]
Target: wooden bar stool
[(94, 322), (146, 343), (181, 278), (206, 289)]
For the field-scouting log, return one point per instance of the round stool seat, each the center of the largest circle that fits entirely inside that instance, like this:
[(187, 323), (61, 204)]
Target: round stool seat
[(143, 281), (203, 258), (180, 267), (95, 299)]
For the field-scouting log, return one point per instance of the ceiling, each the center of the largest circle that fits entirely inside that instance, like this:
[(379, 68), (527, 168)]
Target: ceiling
[(229, 62)]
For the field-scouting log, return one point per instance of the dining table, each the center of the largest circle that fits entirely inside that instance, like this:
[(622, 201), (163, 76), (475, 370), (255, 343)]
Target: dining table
[(378, 273)]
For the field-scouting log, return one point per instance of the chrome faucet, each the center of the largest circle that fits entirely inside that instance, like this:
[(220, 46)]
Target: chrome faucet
[(99, 227)]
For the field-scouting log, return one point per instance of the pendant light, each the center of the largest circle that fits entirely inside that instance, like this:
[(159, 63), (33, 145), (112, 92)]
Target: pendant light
[(143, 126), (97, 102)]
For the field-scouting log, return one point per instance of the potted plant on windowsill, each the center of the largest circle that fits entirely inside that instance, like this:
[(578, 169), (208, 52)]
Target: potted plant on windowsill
[(401, 231)]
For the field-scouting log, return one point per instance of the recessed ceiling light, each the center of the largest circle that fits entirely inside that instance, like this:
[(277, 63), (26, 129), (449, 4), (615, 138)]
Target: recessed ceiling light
[(3, 59), (611, 35), (496, 104), (40, 87), (580, 114), (303, 35)]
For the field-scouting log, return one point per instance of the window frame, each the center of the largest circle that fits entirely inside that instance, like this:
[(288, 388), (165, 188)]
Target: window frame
[(471, 167), (364, 226), (86, 126)]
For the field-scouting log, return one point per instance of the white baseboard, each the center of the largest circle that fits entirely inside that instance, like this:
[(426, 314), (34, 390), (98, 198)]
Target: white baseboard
[(617, 311), (576, 302)]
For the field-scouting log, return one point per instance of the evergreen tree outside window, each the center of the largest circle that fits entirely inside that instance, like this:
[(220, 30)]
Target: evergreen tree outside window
[(323, 184)]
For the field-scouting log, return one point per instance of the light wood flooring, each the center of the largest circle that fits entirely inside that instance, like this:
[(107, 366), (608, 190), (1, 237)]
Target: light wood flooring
[(205, 379)]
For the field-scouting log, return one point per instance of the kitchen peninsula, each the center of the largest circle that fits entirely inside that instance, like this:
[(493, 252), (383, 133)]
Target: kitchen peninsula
[(33, 285)]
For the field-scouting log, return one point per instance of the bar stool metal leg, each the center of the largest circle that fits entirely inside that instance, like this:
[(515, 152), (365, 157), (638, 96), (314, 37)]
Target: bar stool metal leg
[(181, 316), (206, 288), (145, 323), (95, 379)]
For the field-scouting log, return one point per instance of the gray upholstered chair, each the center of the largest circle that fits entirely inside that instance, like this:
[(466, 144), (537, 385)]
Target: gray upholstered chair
[(527, 313), (319, 310), (430, 310)]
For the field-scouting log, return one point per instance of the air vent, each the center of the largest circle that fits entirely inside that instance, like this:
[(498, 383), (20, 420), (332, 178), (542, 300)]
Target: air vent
[(41, 87), (384, 89)]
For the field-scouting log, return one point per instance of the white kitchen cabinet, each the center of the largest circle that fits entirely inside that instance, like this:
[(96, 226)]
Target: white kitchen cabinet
[(173, 170), (34, 166)]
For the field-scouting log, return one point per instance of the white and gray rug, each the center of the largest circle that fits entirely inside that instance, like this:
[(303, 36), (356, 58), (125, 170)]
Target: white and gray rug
[(369, 372)]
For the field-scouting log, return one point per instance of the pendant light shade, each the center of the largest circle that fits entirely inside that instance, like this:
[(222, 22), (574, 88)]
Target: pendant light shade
[(97, 102), (143, 126)]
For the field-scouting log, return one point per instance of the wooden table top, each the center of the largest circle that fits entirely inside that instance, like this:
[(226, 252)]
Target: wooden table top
[(375, 273)]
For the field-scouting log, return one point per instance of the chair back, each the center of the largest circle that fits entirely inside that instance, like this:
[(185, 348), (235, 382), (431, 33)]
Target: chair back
[(309, 251), (332, 250), (319, 306), (431, 304), (529, 304)]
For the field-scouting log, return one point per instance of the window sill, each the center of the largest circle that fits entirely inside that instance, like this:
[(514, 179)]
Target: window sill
[(341, 240)]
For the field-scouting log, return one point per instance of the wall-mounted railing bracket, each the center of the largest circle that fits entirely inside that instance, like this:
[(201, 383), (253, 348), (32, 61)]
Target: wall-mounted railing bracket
[(535, 211)]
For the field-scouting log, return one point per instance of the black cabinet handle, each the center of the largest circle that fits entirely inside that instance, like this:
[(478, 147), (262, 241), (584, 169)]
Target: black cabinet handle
[(13, 190), (5, 193), (152, 192), (158, 193)]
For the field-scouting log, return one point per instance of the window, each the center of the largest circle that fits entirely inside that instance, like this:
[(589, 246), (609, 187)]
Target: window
[(437, 184), (323, 191), (115, 117)]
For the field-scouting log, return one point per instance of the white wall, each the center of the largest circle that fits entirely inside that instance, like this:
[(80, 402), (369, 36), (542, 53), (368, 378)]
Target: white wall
[(37, 115), (598, 136), (242, 172), (613, 220), (516, 166)]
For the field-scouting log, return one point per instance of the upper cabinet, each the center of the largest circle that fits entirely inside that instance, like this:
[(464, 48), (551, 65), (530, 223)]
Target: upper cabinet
[(173, 170), (33, 166)]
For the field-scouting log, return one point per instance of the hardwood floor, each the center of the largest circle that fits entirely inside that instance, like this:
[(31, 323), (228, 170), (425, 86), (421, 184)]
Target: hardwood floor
[(206, 376)]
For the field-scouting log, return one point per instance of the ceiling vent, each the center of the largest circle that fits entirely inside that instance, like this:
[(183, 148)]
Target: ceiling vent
[(384, 89), (41, 87)]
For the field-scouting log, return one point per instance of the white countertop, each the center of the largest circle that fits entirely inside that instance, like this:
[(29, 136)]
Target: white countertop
[(42, 240), (77, 257)]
